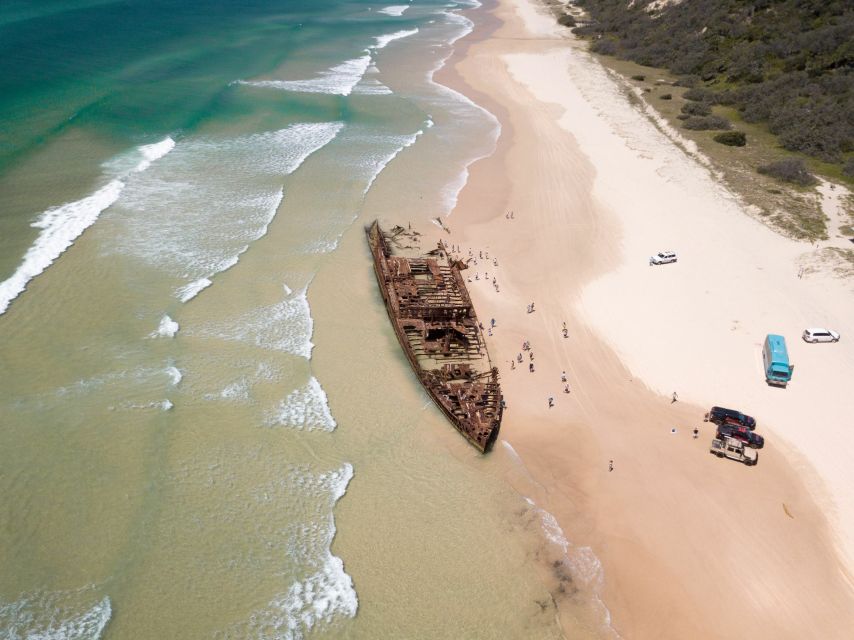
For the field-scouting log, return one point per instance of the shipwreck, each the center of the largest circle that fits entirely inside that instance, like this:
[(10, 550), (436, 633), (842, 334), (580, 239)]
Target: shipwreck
[(435, 323)]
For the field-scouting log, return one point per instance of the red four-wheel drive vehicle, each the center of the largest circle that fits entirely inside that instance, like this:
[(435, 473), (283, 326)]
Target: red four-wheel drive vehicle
[(744, 434)]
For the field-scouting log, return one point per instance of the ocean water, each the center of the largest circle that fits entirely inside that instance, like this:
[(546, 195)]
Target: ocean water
[(207, 429)]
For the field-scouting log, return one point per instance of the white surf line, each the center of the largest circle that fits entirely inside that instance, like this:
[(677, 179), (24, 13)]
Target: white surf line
[(451, 191), (62, 225), (340, 79)]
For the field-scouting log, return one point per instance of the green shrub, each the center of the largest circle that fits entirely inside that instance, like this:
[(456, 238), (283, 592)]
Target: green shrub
[(706, 123), (639, 78), (666, 96), (731, 138), (696, 109), (699, 94), (789, 170), (566, 20)]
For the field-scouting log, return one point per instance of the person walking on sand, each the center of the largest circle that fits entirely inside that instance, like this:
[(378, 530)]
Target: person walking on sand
[(675, 398), (563, 376), (610, 465), (512, 364), (565, 332), (531, 367), (551, 402), (519, 358), (492, 322), (696, 433), (566, 388)]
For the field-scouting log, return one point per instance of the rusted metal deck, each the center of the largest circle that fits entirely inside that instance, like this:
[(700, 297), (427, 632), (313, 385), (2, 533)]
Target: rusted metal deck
[(435, 323)]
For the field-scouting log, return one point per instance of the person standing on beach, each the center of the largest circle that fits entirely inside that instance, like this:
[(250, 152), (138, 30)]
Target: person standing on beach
[(531, 367), (563, 376), (675, 398), (551, 402), (610, 465)]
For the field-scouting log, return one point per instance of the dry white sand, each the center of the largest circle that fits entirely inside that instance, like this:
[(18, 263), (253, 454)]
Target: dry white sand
[(691, 546), (697, 327)]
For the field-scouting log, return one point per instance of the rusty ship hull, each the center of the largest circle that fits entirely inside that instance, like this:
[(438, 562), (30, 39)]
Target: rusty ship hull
[(435, 322)]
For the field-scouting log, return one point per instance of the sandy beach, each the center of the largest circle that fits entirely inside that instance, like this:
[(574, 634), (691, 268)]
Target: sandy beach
[(690, 546)]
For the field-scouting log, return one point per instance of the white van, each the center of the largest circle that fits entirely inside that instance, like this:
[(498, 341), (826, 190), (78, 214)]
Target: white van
[(820, 335)]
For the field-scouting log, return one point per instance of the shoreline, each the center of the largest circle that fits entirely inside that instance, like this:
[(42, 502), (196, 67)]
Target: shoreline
[(672, 559)]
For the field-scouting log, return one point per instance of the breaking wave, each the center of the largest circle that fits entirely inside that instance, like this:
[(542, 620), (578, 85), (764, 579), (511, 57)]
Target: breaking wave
[(395, 10), (62, 225), (324, 592), (285, 326), (342, 79), (167, 328), (305, 408), (338, 80), (191, 290), (381, 42), (196, 211)]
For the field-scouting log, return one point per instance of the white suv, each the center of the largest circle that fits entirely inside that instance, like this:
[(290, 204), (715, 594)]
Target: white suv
[(820, 335), (663, 257)]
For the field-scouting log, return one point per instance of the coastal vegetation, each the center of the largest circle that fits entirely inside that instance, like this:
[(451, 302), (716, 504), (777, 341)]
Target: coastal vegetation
[(789, 170), (787, 65), (731, 138)]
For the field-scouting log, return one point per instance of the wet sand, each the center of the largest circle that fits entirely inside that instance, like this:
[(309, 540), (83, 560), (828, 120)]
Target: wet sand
[(691, 546)]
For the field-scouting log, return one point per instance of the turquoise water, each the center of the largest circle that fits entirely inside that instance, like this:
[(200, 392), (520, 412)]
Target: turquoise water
[(207, 429)]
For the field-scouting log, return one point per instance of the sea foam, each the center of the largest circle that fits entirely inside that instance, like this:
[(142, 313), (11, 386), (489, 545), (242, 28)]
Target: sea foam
[(62, 225), (167, 328), (59, 615), (175, 375), (305, 408)]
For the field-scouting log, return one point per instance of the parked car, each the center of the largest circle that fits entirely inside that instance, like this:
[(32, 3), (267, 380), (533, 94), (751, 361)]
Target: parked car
[(775, 361), (719, 415), (663, 257), (735, 450), (744, 434), (820, 335)]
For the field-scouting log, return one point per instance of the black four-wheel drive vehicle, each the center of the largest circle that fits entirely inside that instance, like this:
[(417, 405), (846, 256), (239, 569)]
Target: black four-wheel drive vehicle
[(719, 415)]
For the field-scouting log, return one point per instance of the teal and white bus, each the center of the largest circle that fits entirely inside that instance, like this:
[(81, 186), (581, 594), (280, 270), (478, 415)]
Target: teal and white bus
[(775, 361)]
